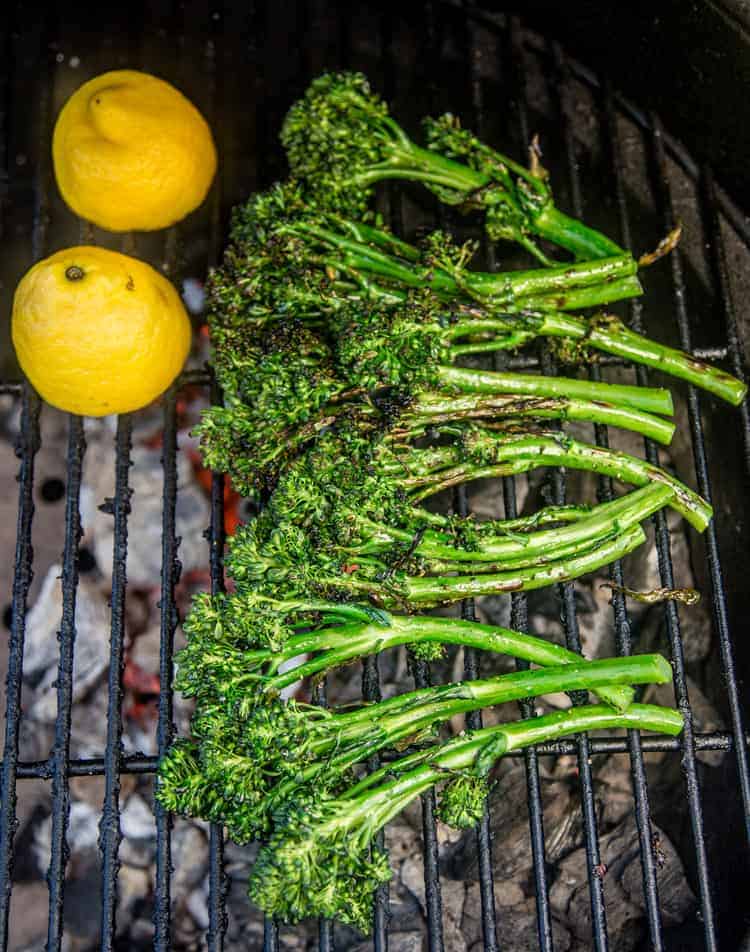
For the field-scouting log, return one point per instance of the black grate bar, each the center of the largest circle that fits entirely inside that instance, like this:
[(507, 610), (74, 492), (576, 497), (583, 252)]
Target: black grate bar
[(621, 620), (720, 270), (217, 916), (666, 574), (325, 935), (380, 911), (61, 750), (569, 617), (270, 935), (474, 719), (588, 806), (200, 377), (609, 744), (519, 616), (217, 886), (27, 448), (519, 621), (421, 670), (109, 826), (483, 831), (718, 592), (433, 898), (170, 571)]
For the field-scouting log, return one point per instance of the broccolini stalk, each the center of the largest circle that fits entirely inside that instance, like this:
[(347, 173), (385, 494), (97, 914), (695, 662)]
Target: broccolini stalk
[(340, 141), (484, 454), (603, 332), (288, 256), (648, 399), (371, 524), (260, 753), (328, 518), (285, 384), (284, 558), (436, 591), (433, 408), (321, 860), (228, 650), (288, 260)]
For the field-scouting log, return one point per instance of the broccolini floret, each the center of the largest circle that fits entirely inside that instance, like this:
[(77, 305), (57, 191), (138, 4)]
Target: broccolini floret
[(341, 141), (321, 859)]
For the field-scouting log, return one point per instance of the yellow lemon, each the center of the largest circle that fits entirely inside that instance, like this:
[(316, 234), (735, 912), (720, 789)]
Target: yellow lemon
[(97, 332), (132, 153)]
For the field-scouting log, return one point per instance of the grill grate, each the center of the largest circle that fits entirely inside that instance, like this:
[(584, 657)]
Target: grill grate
[(476, 36)]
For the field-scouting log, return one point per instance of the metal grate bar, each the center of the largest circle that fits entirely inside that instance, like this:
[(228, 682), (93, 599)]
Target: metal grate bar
[(519, 621), (519, 616), (27, 448), (217, 885), (573, 641), (621, 620), (606, 744), (170, 571), (61, 750), (110, 834), (217, 917), (471, 665), (421, 670), (719, 601), (687, 741)]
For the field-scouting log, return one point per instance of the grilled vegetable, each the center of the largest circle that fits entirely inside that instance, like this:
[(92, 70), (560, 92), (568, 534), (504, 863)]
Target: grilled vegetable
[(341, 141), (321, 859)]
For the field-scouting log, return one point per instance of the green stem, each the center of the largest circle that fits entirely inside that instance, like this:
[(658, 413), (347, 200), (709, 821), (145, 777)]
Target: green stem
[(573, 235), (339, 646), (407, 714), (417, 164), (601, 527), (511, 456), (648, 399), (537, 282), (434, 408), (602, 521), (463, 752), (612, 336), (577, 298), (436, 591)]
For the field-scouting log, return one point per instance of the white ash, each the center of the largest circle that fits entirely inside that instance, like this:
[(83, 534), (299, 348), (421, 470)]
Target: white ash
[(146, 480), (83, 833), (623, 887), (137, 819), (42, 646)]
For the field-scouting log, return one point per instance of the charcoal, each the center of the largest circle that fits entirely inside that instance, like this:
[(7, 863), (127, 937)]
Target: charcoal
[(197, 905), (132, 885), (28, 919), (516, 924), (623, 887), (189, 856), (397, 942), (509, 812)]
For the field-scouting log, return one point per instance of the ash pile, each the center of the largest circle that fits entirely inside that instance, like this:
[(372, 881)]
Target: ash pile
[(511, 852)]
